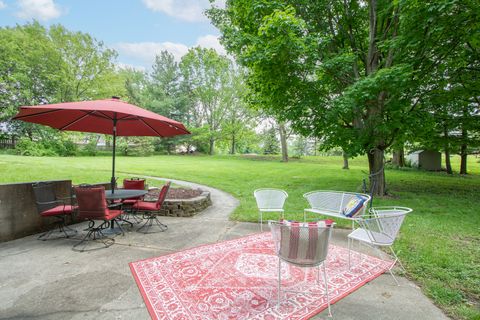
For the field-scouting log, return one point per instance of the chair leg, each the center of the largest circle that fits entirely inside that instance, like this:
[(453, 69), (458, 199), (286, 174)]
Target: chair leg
[(151, 218), (261, 221), (61, 226), (93, 234), (349, 252), (326, 289), (380, 255), (279, 280), (120, 227), (397, 259)]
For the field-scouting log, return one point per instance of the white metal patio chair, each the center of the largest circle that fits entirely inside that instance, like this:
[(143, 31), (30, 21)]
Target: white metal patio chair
[(380, 229), (303, 245), (270, 200)]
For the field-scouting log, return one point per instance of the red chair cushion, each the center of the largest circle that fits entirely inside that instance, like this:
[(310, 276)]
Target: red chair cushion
[(58, 211), (147, 206), (129, 201), (112, 214)]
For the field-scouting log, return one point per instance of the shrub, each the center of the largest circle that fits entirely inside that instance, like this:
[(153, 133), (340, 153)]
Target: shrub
[(49, 148)]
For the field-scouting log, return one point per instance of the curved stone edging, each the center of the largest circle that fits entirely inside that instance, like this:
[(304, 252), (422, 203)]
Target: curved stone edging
[(223, 203), (185, 207)]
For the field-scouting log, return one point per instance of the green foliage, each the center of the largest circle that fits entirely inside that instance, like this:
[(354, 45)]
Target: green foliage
[(200, 138), (40, 65), (90, 148), (210, 80), (271, 145), (56, 147), (135, 146)]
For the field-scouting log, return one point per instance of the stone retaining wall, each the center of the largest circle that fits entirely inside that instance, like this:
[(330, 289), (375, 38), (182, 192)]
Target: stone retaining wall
[(185, 207)]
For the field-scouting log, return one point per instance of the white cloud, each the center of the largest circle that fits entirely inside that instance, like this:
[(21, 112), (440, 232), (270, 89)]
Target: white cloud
[(38, 9), (188, 10), (211, 42), (2, 5), (146, 51)]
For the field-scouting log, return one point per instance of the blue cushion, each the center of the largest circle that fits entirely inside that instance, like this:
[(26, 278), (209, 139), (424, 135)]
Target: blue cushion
[(354, 206)]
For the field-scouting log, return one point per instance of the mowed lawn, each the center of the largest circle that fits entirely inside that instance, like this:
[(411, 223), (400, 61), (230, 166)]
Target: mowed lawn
[(439, 242)]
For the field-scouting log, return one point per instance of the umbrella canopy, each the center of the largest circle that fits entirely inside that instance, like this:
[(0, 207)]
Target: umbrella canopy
[(102, 116), (109, 116)]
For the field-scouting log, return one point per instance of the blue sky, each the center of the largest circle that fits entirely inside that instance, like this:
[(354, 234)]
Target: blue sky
[(137, 29)]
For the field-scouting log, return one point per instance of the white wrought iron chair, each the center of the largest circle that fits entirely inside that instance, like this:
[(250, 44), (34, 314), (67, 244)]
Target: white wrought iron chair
[(379, 229), (303, 245), (270, 200)]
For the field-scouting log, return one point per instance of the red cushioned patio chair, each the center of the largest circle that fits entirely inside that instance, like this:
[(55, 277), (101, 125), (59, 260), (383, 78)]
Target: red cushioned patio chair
[(133, 183), (150, 210), (92, 206), (49, 205)]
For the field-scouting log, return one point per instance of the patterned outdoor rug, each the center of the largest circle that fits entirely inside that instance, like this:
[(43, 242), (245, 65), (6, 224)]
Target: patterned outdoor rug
[(237, 279)]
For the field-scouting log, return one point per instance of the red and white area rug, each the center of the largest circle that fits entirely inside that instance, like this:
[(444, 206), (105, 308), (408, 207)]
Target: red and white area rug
[(237, 279)]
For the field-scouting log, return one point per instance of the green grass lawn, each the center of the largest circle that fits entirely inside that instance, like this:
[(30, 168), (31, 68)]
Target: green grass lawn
[(439, 241)]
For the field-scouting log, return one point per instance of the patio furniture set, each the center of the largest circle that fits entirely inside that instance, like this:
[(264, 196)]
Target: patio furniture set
[(305, 244), (103, 209)]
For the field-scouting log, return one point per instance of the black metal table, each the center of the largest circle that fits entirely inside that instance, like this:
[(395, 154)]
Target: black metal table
[(123, 194)]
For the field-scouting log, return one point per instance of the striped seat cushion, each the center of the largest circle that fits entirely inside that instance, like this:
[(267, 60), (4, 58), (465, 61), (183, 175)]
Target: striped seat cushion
[(303, 243)]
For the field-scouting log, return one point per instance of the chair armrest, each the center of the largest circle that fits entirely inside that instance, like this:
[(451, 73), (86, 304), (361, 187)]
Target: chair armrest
[(50, 202)]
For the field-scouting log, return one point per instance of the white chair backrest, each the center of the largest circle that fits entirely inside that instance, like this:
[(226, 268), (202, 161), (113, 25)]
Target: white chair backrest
[(270, 198), (333, 201), (304, 246), (383, 227)]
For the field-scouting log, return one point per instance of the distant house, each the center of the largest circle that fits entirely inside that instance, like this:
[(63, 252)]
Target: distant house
[(426, 160)]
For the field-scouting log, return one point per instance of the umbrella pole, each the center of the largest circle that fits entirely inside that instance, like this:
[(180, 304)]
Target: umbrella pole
[(112, 181)]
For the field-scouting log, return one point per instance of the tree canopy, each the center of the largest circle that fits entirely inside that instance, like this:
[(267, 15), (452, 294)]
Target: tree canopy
[(355, 73)]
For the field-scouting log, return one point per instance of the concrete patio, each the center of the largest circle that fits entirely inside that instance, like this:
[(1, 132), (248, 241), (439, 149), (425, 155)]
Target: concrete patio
[(47, 280)]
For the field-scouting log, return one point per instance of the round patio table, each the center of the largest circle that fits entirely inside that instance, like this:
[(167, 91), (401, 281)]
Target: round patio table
[(123, 194)]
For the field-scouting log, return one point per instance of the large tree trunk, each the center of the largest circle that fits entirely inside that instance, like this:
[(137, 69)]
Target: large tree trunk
[(448, 164), (463, 159), (283, 141), (463, 148), (345, 160), (399, 157), (211, 150), (233, 146), (377, 172)]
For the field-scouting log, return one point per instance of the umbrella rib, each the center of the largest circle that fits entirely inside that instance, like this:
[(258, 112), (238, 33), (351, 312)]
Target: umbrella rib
[(176, 127), (76, 120), (36, 114), (144, 122), (105, 115)]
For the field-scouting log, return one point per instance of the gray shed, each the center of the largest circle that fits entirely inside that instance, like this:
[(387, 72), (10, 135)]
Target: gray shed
[(426, 159)]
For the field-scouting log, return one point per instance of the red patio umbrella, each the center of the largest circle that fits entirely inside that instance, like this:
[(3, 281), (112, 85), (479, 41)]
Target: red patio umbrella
[(109, 116)]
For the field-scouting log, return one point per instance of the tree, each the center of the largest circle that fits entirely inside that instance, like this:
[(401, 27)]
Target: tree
[(39, 65), (209, 78), (30, 67), (270, 141), (348, 72), (239, 120), (87, 64)]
